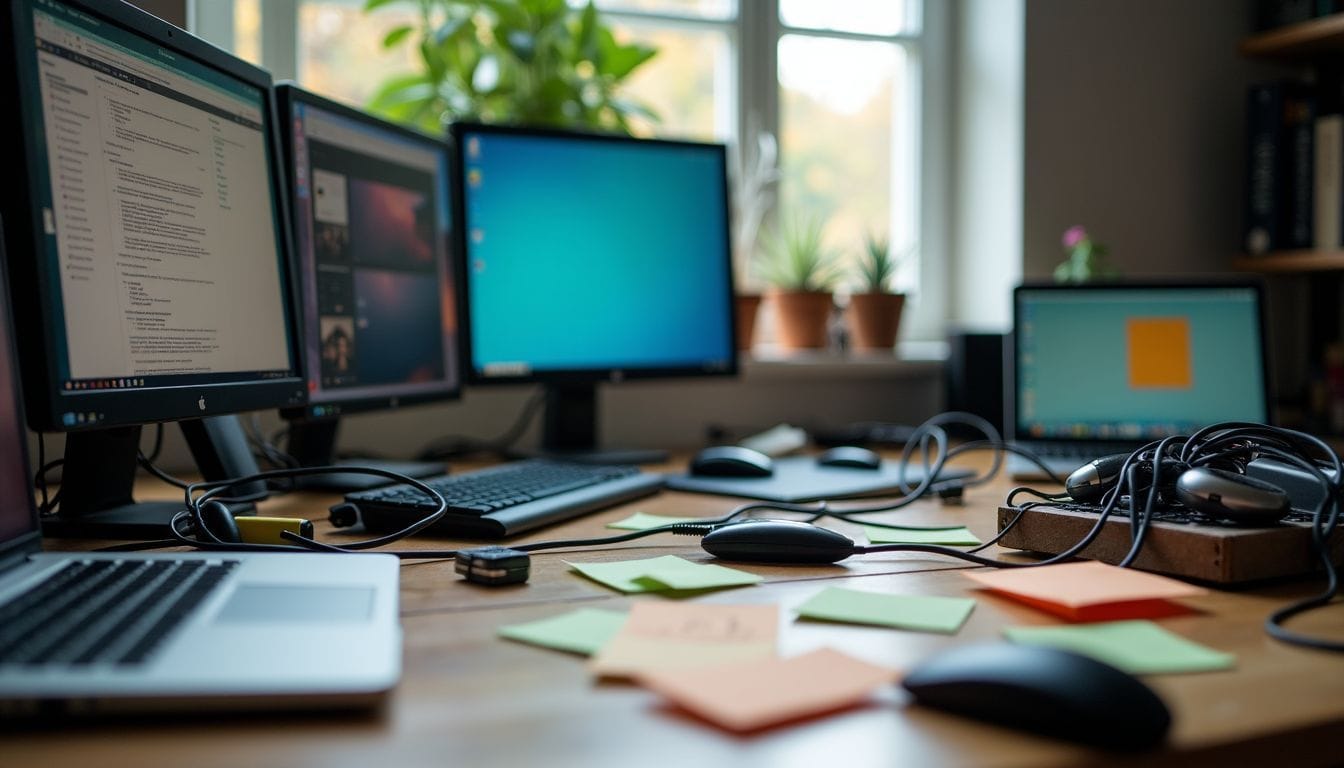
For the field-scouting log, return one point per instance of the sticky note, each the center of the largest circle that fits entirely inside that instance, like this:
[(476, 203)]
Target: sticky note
[(583, 631), (669, 572), (1137, 647), (754, 695), (957, 537), (1159, 352), (1089, 591), (642, 521), (664, 635), (925, 613)]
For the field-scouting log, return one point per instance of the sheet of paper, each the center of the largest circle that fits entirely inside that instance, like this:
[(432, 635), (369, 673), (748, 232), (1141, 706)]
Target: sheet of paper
[(660, 636), (642, 521), (759, 694), (1089, 591), (925, 613), (957, 537), (583, 631), (669, 572), (1138, 647)]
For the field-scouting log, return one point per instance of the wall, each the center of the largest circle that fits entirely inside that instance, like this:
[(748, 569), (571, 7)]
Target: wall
[(1133, 127)]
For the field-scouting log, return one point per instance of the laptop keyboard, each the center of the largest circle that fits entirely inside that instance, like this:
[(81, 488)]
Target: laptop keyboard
[(104, 611)]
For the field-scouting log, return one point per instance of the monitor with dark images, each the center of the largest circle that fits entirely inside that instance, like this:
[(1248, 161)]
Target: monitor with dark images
[(147, 243), (591, 258), (371, 219)]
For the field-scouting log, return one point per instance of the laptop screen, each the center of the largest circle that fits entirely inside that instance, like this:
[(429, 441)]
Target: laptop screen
[(1135, 363)]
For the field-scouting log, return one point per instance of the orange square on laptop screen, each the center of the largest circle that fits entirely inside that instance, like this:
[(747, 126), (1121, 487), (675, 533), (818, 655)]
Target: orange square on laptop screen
[(1159, 352)]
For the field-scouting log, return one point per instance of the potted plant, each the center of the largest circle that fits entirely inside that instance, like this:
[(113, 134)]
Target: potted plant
[(874, 312), (535, 62), (801, 274)]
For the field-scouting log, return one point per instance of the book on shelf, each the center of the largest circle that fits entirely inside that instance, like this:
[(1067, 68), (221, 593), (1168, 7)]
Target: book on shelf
[(1280, 166), (1328, 203)]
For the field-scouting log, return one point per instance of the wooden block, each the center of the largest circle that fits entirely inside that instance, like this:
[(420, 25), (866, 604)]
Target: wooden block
[(1201, 552)]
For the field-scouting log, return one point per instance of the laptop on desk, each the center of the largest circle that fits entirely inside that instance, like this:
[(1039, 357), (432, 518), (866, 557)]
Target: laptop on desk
[(1102, 369), (89, 632)]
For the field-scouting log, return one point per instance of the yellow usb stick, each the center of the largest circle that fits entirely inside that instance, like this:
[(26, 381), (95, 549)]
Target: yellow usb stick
[(266, 530)]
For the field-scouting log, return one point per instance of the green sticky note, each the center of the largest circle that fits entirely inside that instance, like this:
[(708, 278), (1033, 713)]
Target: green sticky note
[(1137, 647), (957, 537), (659, 574), (923, 613), (583, 631), (700, 576), (642, 521)]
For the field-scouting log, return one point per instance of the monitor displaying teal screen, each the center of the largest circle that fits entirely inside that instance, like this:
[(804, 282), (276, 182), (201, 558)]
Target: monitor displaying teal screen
[(592, 255), (1137, 362)]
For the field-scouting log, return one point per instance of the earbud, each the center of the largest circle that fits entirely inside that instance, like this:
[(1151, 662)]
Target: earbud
[(218, 519), (1229, 496)]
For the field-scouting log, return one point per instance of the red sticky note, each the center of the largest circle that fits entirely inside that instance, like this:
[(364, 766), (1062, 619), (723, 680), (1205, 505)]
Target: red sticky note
[(1090, 591)]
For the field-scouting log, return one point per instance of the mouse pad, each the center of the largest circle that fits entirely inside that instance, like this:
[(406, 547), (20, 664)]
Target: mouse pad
[(801, 478)]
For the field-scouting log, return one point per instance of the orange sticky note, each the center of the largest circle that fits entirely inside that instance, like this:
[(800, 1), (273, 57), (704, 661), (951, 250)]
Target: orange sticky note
[(677, 636), (760, 694), (1090, 591), (1159, 352)]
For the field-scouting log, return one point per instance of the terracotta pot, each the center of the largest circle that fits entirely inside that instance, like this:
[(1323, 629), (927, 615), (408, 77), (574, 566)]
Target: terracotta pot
[(801, 318), (747, 304), (874, 319)]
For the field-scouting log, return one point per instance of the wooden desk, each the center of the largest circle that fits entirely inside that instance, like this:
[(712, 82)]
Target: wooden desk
[(470, 699)]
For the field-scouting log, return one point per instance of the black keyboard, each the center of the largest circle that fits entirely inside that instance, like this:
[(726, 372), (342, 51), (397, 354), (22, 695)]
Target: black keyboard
[(104, 611), (504, 500)]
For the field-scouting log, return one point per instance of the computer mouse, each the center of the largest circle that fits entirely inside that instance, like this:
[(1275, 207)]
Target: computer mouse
[(783, 542), (851, 457), (731, 461), (1230, 496), (1044, 690)]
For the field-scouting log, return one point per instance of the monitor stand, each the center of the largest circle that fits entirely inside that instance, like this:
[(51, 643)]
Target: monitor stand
[(98, 478), (312, 442), (569, 429)]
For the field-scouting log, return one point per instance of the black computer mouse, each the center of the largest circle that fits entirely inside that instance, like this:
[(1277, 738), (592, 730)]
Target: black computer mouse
[(783, 542), (1045, 690), (851, 457), (731, 461)]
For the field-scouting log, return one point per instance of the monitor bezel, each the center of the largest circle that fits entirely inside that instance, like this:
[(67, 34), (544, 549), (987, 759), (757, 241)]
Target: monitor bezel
[(1013, 389), (288, 94), (28, 277), (582, 375)]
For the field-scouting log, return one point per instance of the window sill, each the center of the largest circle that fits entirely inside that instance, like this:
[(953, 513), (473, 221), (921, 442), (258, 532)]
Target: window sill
[(912, 359)]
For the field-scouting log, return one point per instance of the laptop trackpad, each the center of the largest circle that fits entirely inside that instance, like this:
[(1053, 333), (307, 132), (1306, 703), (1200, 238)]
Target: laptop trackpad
[(289, 604)]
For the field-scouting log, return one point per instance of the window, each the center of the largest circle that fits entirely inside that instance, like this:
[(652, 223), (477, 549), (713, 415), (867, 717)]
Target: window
[(844, 85)]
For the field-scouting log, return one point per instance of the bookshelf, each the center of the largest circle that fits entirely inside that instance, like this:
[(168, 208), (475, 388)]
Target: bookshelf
[(1314, 275), (1305, 41)]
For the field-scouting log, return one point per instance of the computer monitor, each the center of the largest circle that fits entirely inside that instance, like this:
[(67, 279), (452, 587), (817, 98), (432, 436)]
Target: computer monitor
[(591, 258), (371, 220), (147, 242)]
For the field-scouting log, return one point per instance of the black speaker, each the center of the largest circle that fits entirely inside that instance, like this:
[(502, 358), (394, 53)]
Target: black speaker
[(975, 375)]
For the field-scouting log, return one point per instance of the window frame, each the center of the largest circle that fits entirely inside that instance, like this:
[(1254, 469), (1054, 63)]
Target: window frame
[(753, 30)]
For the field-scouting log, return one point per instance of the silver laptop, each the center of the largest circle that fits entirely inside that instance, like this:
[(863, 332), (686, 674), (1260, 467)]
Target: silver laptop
[(1103, 369), (121, 632)]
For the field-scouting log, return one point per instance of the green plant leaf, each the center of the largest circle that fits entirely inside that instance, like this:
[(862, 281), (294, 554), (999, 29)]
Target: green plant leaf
[(396, 35)]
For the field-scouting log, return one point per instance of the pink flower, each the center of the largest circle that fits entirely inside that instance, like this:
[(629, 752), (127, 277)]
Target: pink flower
[(1074, 235)]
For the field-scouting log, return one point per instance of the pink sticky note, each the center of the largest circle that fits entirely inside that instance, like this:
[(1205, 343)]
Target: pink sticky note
[(661, 635), (1090, 591), (752, 695)]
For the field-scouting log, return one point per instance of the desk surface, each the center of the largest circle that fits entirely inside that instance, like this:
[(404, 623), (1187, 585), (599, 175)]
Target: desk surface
[(468, 698)]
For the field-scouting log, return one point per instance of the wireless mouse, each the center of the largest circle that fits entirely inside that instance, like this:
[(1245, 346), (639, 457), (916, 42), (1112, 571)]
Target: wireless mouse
[(850, 457), (1045, 690), (731, 461)]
